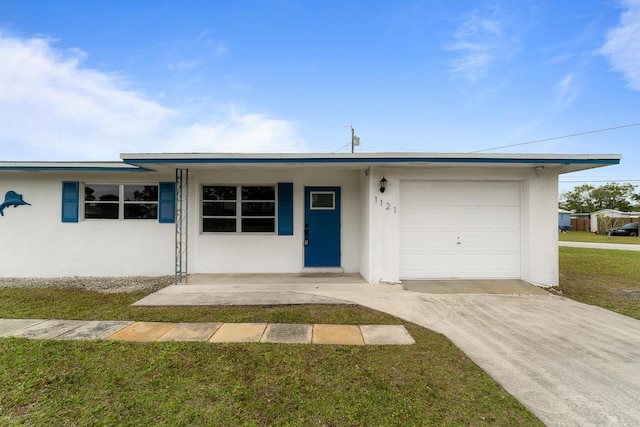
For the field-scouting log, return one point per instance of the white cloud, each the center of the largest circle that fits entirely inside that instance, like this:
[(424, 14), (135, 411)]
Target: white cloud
[(623, 44), (53, 108), (480, 41), (566, 90)]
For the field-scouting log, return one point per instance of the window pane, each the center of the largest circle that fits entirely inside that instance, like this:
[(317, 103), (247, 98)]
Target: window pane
[(322, 200), (141, 193), (219, 208), (258, 209), (101, 210), (216, 225), (258, 225), (218, 193), (101, 192), (258, 193), (141, 210)]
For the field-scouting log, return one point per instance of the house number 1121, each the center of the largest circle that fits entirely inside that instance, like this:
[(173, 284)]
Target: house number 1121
[(386, 206)]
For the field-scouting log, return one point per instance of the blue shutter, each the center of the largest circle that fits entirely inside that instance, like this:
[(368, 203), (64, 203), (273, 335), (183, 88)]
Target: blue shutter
[(70, 195), (285, 209), (167, 202)]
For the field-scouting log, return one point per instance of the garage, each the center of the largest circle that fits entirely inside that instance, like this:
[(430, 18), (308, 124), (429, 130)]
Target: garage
[(460, 230)]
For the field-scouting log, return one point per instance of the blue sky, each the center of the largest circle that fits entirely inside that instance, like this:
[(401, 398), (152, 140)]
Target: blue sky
[(87, 80)]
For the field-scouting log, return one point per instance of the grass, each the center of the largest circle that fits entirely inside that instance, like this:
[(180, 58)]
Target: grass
[(586, 236), (606, 278), (120, 383), (254, 384)]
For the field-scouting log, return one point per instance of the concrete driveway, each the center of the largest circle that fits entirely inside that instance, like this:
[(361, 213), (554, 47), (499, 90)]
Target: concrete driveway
[(571, 364)]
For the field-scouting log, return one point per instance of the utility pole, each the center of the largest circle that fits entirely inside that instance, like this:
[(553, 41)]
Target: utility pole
[(354, 140)]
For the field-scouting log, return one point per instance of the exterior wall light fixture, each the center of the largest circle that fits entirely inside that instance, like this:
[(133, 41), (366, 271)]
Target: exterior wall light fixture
[(383, 184)]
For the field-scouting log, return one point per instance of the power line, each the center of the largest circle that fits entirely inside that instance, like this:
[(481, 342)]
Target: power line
[(557, 137), (605, 180)]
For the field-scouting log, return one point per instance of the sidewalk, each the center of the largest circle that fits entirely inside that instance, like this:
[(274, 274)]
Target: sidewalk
[(206, 332), (611, 246)]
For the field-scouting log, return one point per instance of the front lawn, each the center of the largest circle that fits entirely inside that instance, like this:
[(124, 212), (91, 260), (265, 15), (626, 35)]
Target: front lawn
[(586, 236), (606, 278), (254, 384)]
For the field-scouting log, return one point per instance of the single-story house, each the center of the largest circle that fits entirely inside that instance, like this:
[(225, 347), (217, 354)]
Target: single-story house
[(613, 217), (564, 220), (388, 217)]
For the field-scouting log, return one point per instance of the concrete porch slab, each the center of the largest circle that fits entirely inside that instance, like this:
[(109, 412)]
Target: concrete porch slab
[(273, 278), (213, 296)]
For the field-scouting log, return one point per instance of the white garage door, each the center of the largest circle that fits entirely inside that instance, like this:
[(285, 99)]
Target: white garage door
[(459, 229)]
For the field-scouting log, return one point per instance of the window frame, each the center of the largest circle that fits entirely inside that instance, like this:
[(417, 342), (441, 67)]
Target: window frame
[(322, 208), (121, 202), (239, 202)]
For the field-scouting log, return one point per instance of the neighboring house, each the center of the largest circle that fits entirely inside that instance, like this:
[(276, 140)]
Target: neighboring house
[(613, 215), (564, 220), (440, 216)]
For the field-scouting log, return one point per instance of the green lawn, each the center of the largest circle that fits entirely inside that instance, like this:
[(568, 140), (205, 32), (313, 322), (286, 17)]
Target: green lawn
[(606, 278), (255, 384), (120, 383), (586, 236)]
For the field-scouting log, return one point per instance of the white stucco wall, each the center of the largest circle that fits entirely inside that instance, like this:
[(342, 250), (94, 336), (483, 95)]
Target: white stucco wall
[(36, 243), (539, 248), (271, 253)]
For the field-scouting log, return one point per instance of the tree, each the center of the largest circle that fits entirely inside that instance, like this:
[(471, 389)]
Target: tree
[(587, 198)]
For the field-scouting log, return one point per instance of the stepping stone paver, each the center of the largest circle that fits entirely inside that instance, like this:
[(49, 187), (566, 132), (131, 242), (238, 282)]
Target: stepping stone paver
[(287, 334), (214, 332), (191, 332), (239, 332), (11, 326), (143, 331), (95, 330), (386, 334), (48, 329), (337, 334)]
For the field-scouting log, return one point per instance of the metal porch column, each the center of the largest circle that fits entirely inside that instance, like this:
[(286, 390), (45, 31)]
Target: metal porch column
[(182, 225)]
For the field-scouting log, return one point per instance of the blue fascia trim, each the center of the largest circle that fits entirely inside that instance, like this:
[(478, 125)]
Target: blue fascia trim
[(73, 168), (378, 160)]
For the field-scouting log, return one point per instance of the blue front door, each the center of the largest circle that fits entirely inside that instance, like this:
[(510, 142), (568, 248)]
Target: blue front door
[(322, 227)]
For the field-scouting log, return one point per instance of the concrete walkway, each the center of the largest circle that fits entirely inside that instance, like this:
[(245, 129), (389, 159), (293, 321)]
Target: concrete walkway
[(212, 332), (571, 364), (611, 246)]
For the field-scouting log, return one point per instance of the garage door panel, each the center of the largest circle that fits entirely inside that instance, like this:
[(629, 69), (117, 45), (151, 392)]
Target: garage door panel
[(459, 229)]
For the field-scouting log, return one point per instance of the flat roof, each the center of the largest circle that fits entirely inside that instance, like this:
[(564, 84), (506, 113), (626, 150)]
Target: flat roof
[(144, 162), (69, 166), (140, 158), (562, 163)]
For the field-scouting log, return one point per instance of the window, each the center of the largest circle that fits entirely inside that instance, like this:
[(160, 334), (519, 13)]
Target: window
[(323, 200), (120, 201), (233, 209)]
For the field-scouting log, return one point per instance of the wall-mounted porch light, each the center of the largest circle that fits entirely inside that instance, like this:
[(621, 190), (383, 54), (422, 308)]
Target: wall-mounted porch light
[(383, 184)]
